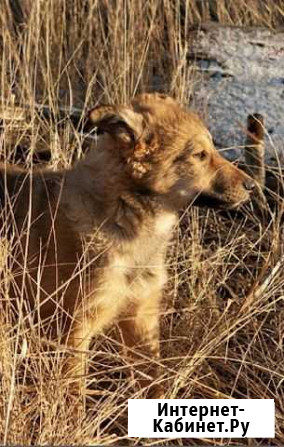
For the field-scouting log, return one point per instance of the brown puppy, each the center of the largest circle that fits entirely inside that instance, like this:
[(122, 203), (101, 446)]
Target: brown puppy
[(93, 239)]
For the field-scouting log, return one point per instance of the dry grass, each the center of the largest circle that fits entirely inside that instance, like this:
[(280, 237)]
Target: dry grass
[(222, 327)]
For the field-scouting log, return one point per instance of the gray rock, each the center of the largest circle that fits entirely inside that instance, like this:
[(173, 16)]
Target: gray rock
[(241, 72)]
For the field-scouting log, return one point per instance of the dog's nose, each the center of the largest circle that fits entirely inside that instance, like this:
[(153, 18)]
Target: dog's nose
[(249, 184)]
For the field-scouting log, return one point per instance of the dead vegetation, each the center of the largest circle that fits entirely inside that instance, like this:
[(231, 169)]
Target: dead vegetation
[(222, 327)]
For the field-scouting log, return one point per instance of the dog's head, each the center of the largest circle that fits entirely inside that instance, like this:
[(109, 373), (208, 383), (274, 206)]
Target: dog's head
[(168, 151)]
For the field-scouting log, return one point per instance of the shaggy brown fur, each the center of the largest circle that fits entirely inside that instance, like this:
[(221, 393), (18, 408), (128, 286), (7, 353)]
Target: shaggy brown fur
[(93, 239)]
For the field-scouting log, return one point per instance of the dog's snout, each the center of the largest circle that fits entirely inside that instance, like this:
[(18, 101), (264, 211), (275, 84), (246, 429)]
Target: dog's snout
[(249, 184)]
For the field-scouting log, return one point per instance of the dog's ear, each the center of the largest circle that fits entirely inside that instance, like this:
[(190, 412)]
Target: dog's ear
[(129, 128), (122, 122)]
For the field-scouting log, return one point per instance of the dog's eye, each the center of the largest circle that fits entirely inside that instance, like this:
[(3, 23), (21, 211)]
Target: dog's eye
[(200, 155)]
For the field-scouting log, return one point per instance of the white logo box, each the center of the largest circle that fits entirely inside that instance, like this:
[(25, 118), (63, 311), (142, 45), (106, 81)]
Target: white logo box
[(201, 418)]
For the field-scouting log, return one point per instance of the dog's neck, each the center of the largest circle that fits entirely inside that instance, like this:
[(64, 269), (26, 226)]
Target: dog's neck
[(103, 193)]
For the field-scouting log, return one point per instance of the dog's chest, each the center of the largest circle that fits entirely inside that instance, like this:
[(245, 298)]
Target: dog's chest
[(137, 270)]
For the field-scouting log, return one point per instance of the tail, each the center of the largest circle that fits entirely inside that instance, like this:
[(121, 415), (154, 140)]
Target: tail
[(254, 148)]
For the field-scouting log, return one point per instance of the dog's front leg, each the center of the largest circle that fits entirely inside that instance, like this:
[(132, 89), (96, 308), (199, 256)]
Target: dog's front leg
[(78, 341), (85, 326), (141, 336)]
